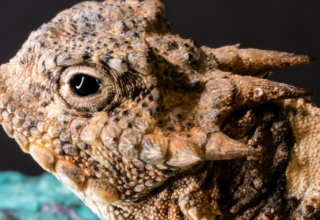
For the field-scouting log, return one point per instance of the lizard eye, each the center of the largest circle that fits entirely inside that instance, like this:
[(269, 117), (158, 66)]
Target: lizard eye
[(87, 87), (84, 85)]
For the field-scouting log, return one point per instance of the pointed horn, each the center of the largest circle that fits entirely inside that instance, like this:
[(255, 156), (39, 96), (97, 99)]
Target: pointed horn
[(251, 91), (183, 153), (255, 62), (221, 147)]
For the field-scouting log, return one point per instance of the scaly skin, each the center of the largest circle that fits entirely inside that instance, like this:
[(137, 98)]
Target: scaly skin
[(141, 144)]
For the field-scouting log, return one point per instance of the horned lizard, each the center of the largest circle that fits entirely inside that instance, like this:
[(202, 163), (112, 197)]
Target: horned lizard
[(142, 124)]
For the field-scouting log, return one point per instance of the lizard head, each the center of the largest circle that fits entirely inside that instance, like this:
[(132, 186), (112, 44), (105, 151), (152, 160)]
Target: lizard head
[(106, 97)]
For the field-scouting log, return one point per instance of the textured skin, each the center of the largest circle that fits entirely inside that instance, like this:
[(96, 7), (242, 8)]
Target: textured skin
[(144, 144), (303, 169)]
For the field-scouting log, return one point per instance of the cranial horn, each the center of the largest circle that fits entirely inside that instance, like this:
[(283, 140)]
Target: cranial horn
[(236, 92), (221, 147), (251, 91), (254, 62)]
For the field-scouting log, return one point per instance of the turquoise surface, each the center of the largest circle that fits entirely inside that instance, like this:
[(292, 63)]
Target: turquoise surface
[(39, 198)]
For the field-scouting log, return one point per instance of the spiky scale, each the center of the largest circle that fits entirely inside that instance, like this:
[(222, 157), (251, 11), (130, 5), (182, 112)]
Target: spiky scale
[(254, 62)]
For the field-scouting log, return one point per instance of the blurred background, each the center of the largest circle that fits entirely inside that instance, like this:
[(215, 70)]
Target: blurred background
[(286, 25)]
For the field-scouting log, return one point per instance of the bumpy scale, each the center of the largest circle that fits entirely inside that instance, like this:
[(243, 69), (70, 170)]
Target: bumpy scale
[(126, 113)]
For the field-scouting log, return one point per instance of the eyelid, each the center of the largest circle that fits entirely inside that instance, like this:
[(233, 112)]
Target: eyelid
[(72, 71)]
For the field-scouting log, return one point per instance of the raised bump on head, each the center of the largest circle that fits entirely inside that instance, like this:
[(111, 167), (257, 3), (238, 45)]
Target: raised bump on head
[(101, 191), (183, 153), (43, 156), (22, 141), (154, 149), (71, 175)]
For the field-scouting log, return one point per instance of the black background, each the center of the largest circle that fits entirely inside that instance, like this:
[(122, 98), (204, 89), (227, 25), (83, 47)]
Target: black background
[(282, 25)]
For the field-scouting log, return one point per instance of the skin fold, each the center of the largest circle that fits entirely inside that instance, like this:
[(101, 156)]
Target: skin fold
[(142, 124)]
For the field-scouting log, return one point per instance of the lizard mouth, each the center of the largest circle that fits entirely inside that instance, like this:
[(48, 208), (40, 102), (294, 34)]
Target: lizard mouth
[(75, 177)]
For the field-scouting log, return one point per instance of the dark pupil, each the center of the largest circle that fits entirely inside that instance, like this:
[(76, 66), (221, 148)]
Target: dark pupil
[(84, 85)]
